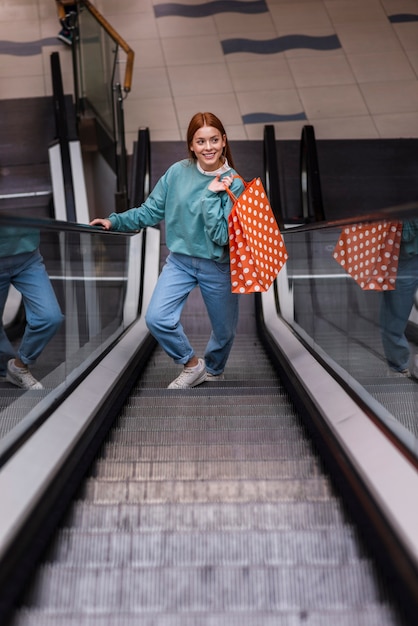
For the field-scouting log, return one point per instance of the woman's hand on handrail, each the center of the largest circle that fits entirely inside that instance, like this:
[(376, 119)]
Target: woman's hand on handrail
[(105, 223)]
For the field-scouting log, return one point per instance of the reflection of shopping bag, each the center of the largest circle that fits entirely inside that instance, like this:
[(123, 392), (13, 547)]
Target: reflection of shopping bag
[(370, 254), (256, 247)]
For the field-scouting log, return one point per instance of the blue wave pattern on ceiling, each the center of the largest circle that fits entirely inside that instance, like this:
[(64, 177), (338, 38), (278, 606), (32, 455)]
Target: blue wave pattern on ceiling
[(264, 118), (26, 49), (401, 18), (281, 44), (209, 8), (271, 46)]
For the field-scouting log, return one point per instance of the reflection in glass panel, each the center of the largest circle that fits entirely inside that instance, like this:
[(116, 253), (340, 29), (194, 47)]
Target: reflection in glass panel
[(62, 299), (372, 335)]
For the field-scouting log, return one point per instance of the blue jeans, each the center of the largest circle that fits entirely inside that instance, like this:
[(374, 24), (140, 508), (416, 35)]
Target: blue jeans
[(180, 275), (395, 309), (27, 273)]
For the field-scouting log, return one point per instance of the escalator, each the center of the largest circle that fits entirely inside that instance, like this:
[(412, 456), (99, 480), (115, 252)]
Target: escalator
[(205, 506), (216, 505)]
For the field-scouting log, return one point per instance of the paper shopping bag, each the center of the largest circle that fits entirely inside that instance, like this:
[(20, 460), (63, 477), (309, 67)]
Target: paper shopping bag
[(256, 247), (370, 253)]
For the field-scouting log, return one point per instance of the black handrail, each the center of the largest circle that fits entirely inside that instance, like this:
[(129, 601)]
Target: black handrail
[(122, 199), (141, 168), (310, 182), (271, 173), (140, 190), (62, 136)]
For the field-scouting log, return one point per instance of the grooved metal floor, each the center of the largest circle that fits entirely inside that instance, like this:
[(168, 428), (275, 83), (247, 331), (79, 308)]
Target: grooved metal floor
[(208, 507)]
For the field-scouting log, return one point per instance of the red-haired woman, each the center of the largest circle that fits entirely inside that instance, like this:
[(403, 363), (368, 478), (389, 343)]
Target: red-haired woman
[(192, 200)]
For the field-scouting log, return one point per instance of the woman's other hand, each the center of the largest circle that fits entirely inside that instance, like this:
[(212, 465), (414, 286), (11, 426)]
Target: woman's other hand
[(105, 223), (220, 185)]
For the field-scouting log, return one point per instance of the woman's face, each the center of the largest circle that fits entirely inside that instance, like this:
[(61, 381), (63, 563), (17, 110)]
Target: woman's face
[(207, 145)]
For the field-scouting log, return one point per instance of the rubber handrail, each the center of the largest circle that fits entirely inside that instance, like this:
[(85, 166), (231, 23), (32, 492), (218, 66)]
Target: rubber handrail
[(62, 135), (271, 173), (141, 168), (310, 182)]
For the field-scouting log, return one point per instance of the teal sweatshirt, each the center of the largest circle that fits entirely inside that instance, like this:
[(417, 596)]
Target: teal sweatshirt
[(196, 219), (18, 240)]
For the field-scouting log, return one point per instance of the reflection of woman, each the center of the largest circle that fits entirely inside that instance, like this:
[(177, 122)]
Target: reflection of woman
[(21, 265), (396, 305)]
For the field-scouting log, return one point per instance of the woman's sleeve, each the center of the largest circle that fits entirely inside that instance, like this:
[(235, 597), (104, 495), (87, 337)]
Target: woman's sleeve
[(151, 212)]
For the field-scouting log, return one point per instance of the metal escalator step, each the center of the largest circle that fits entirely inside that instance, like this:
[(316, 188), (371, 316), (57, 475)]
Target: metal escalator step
[(210, 436), (232, 373), (369, 615), (213, 417), (237, 360), (220, 588), (194, 548), (221, 516), (211, 396), (238, 491), (245, 469), (210, 452), (260, 386), (279, 410), (211, 392)]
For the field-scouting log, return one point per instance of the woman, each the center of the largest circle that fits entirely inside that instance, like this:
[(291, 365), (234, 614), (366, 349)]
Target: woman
[(192, 200)]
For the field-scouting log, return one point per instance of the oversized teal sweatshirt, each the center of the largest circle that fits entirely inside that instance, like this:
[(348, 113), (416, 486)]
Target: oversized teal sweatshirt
[(196, 219)]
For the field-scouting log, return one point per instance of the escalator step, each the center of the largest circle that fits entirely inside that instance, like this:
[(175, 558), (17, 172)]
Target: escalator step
[(370, 615), (245, 469), (212, 516), (210, 436), (184, 549), (205, 588), (238, 491), (212, 418), (209, 452)]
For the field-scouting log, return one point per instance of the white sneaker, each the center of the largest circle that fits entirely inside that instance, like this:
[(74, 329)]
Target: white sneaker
[(190, 377), (21, 377)]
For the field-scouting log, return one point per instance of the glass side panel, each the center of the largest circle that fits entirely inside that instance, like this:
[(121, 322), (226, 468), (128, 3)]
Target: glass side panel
[(74, 302), (99, 69), (372, 335)]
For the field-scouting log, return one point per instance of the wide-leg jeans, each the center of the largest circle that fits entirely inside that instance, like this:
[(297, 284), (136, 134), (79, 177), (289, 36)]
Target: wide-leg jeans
[(180, 275), (27, 273)]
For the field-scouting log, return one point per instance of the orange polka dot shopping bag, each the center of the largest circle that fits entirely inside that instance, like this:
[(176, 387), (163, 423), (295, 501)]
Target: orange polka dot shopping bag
[(256, 247), (370, 253)]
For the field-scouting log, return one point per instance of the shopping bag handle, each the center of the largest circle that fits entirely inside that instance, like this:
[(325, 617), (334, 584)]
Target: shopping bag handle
[(229, 192)]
